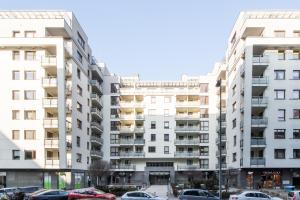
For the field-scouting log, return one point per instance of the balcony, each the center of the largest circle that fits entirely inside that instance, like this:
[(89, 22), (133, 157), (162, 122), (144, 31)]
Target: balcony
[(260, 161), (187, 142), (127, 104), (188, 167), (260, 81), (96, 153), (51, 144), (126, 142), (123, 167), (48, 82), (223, 153), (259, 101), (223, 166), (96, 126), (139, 130), (68, 89), (139, 141), (68, 108), (96, 98), (187, 117), (51, 163), (187, 154), (125, 129), (127, 117), (96, 139), (258, 142), (139, 117), (184, 129), (223, 139), (132, 154), (50, 102), (139, 104), (260, 60), (97, 112), (259, 122), (187, 103), (48, 61), (97, 85), (51, 123)]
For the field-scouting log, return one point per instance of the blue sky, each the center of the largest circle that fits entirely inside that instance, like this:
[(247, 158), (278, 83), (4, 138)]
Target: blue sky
[(158, 39)]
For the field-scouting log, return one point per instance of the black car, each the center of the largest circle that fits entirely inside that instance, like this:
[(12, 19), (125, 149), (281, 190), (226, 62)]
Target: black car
[(49, 195)]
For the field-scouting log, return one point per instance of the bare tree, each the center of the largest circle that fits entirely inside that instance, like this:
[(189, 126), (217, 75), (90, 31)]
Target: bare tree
[(97, 170)]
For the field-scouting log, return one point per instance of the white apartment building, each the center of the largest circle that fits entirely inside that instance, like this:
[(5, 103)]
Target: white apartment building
[(263, 104), (50, 100), (160, 131)]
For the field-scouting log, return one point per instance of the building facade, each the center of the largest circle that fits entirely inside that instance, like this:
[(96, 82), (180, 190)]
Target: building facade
[(51, 100)]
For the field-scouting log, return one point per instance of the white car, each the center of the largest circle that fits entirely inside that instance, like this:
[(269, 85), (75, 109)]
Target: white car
[(252, 195), (140, 195)]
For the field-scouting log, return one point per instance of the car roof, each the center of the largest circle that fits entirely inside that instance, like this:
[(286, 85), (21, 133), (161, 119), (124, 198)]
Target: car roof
[(194, 189)]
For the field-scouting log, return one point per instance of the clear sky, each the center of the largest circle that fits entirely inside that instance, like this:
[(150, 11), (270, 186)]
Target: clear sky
[(158, 39)]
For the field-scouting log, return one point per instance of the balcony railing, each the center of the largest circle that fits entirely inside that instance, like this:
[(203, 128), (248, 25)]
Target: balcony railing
[(223, 166), (259, 101), (127, 103), (187, 128), (51, 143), (139, 117), (96, 84), (96, 153), (127, 117), (49, 82), (126, 129), (47, 61), (96, 111), (260, 81), (96, 139), (139, 141), (187, 103), (126, 141), (187, 142), (51, 163), (132, 154), (188, 167), (260, 59), (223, 152), (123, 167), (139, 129), (187, 154), (97, 126), (223, 138), (258, 161), (96, 97), (258, 141), (187, 117), (50, 102), (51, 123), (259, 121)]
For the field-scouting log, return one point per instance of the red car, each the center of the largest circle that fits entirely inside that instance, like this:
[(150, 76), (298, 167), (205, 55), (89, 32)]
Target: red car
[(90, 193)]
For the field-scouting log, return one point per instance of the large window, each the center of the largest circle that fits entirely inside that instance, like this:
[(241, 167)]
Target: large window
[(279, 133), (296, 153), (16, 154), (279, 74), (151, 149), (204, 163), (29, 94), (204, 138), (203, 100), (30, 155), (80, 40), (16, 55), (281, 114), (29, 75), (29, 55), (15, 134), (279, 153), (204, 125), (204, 150), (296, 94), (79, 56), (296, 113), (29, 134), (279, 94), (29, 115), (296, 75)]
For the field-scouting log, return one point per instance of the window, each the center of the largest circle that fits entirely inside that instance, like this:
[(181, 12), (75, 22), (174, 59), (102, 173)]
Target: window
[(296, 75), (296, 94), (204, 126), (15, 75), (78, 73), (79, 56), (233, 90), (29, 55), (29, 95), (296, 113), (281, 115), (234, 107), (153, 125), (279, 153), (296, 153), (166, 112), (29, 75), (166, 137), (16, 154), (204, 138), (30, 155), (16, 34), (15, 114), (29, 134), (87, 145), (78, 141), (296, 133), (88, 131), (79, 107), (153, 100), (151, 149), (234, 140), (296, 55), (80, 40), (15, 95), (114, 151), (204, 163), (166, 150), (233, 157), (16, 55), (167, 99), (29, 34), (79, 90), (15, 134), (78, 157), (279, 94), (29, 115), (279, 133), (279, 74), (203, 100), (234, 123), (79, 124), (87, 117), (204, 150), (153, 137), (281, 55), (166, 125), (279, 33)]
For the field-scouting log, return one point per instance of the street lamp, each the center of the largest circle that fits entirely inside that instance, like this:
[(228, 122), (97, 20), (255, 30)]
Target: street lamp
[(218, 84)]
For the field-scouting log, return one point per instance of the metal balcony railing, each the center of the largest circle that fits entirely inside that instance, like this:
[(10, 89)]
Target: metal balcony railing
[(259, 101), (187, 142), (187, 154), (97, 139), (260, 59), (50, 102), (258, 141)]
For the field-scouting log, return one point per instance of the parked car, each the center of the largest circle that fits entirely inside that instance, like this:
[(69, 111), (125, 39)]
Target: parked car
[(90, 193), (294, 195), (196, 194), (8, 191), (252, 195), (49, 195), (139, 195), (4, 196), (22, 193)]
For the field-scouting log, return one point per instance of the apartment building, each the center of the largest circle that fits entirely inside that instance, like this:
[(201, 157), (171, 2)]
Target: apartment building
[(51, 100), (160, 131), (263, 110)]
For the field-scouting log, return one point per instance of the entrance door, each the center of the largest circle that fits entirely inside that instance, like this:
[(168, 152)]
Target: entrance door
[(158, 178)]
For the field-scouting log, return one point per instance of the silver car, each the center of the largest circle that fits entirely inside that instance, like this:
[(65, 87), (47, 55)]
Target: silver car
[(252, 195), (196, 194), (140, 195)]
